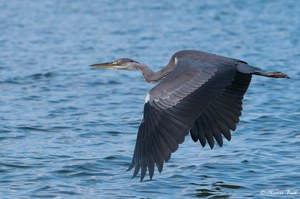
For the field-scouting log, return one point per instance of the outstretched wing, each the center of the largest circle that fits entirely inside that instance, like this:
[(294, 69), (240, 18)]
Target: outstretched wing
[(173, 106), (222, 114)]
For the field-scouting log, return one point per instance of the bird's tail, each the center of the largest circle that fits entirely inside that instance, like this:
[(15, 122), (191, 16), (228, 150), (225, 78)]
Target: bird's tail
[(271, 74)]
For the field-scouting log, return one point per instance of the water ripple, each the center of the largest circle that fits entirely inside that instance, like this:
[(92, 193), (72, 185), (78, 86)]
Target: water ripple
[(68, 131)]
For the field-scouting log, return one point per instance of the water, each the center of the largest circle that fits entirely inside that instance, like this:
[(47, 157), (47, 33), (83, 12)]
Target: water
[(69, 132)]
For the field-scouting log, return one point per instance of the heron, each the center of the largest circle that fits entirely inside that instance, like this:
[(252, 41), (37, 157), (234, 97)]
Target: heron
[(196, 92)]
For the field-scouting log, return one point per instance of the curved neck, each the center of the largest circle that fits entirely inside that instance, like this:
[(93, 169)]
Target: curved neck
[(151, 76)]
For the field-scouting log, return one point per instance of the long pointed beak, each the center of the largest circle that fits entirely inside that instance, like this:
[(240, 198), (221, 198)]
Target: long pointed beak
[(103, 65), (109, 65)]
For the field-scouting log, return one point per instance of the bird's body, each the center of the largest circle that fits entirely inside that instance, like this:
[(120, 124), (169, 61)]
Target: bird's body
[(198, 92)]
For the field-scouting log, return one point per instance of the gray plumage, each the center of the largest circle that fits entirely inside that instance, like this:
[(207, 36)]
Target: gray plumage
[(198, 92)]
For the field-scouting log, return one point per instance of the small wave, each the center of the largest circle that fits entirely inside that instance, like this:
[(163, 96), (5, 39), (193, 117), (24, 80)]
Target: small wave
[(38, 76), (18, 165), (33, 128)]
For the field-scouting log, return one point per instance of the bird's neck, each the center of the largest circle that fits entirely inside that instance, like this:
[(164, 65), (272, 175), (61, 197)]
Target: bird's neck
[(151, 76)]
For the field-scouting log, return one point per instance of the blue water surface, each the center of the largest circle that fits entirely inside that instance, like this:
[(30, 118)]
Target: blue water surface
[(67, 131)]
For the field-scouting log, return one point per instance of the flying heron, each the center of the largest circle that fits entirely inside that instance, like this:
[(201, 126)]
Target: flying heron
[(198, 92)]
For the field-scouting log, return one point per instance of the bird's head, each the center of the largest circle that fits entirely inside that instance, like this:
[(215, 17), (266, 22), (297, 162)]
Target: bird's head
[(121, 64)]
